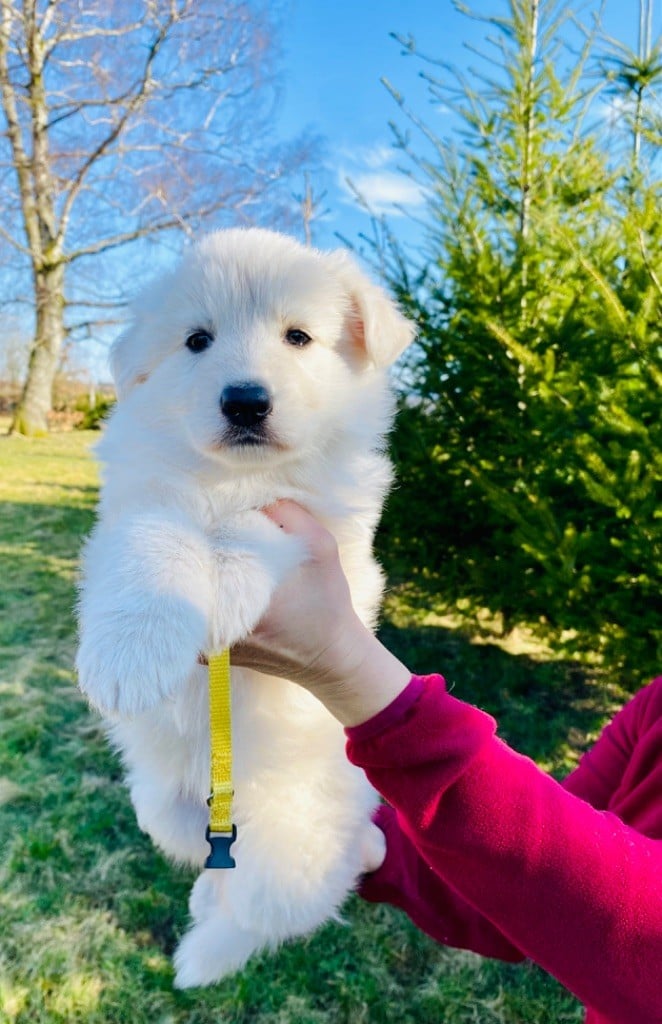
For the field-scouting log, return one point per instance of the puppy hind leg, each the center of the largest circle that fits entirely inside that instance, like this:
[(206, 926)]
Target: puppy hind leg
[(174, 823), (212, 950), (215, 945)]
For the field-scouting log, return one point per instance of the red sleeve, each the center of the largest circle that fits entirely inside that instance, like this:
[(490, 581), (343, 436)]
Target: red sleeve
[(621, 771), (524, 863), (406, 881)]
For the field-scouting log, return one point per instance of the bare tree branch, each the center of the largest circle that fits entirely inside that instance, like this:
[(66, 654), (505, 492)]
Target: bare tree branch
[(134, 100), (11, 240), (121, 121)]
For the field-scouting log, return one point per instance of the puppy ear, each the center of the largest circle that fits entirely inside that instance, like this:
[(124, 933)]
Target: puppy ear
[(128, 361), (139, 349), (378, 330)]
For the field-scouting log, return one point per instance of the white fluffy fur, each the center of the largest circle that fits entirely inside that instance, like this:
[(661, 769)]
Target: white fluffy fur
[(181, 561)]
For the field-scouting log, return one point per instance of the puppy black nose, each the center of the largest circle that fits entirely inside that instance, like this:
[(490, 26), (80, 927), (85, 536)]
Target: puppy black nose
[(245, 405)]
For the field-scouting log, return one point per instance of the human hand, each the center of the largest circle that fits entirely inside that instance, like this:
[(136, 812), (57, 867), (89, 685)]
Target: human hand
[(312, 635), (373, 849)]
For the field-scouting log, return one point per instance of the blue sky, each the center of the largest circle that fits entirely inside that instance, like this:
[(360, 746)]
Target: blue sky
[(334, 56)]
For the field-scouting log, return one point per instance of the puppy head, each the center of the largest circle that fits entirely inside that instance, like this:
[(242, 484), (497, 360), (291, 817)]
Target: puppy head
[(258, 348)]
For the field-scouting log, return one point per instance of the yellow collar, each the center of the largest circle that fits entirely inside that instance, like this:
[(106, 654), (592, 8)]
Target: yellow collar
[(221, 832)]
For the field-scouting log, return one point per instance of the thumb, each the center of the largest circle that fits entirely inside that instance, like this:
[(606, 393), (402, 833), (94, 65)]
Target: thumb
[(295, 519)]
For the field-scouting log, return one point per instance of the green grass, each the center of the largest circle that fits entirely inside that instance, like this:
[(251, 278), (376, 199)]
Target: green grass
[(90, 913)]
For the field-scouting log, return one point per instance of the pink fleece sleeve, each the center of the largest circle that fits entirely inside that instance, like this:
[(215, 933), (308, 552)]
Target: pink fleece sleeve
[(406, 881), (528, 865)]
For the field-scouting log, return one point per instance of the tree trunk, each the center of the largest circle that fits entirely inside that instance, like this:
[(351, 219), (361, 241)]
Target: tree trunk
[(528, 112), (30, 417)]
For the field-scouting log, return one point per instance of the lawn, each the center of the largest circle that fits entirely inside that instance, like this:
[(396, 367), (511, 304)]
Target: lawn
[(90, 913)]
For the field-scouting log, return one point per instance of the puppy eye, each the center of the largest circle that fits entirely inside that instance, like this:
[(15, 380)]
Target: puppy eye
[(198, 341), (296, 337)]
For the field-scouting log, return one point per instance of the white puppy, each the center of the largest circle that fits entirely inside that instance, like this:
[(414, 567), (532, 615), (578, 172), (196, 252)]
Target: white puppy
[(255, 371)]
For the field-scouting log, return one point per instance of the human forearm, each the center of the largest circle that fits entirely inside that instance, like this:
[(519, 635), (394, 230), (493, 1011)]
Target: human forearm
[(406, 881), (370, 679)]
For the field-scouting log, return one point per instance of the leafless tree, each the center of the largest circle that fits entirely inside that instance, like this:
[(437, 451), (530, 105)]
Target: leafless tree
[(125, 120)]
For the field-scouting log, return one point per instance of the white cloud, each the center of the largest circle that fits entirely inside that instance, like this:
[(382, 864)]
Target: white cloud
[(380, 154), (384, 192), (381, 187), (616, 110)]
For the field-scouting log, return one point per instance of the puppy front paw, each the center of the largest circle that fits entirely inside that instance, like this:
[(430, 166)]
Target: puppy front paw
[(128, 664)]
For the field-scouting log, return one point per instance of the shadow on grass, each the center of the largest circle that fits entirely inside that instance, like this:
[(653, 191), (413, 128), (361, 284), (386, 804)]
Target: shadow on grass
[(39, 553), (89, 492), (71, 520)]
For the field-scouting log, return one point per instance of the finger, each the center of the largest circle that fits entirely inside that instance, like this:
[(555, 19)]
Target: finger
[(241, 655)]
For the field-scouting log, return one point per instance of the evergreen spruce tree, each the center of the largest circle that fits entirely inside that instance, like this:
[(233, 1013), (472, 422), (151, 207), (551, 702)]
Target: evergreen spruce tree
[(531, 408)]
